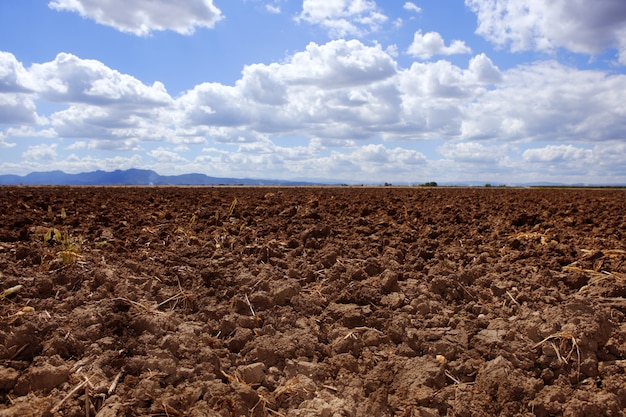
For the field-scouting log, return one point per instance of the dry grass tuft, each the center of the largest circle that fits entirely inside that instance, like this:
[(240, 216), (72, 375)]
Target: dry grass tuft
[(565, 346)]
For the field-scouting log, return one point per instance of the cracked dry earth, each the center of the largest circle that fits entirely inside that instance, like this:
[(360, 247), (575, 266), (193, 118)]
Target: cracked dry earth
[(306, 302)]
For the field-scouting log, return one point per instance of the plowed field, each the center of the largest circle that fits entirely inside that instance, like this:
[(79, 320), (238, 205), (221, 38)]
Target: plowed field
[(312, 302)]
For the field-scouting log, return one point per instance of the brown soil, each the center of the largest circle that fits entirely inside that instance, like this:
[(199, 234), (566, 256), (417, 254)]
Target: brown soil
[(312, 302)]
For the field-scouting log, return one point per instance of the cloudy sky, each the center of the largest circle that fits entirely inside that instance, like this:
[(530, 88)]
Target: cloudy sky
[(500, 91)]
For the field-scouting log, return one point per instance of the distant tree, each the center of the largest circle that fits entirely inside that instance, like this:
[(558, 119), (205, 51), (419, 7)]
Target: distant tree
[(429, 184)]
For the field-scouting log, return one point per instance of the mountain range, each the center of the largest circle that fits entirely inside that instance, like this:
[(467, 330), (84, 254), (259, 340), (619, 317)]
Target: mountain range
[(144, 177), (133, 177)]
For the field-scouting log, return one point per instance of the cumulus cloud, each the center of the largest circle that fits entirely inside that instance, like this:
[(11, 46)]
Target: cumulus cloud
[(78, 145), (108, 124), (379, 154), (13, 76), (26, 131), (69, 78), (337, 96), (549, 101), (343, 18), (338, 63), (431, 44), (609, 158), (166, 156), (484, 69), (342, 89), (17, 109), (16, 98), (41, 153), (102, 103), (544, 25), (557, 153), (434, 97), (412, 7), (473, 152), (273, 8), (141, 17), (371, 162), (4, 143)]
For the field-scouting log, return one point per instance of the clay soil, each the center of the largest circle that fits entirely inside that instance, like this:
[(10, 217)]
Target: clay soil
[(306, 302)]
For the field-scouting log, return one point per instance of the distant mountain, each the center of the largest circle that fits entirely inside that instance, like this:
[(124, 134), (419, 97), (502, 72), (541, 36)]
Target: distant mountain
[(132, 177), (141, 177)]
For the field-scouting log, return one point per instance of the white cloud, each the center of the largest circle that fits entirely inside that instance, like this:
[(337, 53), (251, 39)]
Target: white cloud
[(39, 153), (379, 154), (557, 153), (473, 152), (392, 50), (124, 145), (71, 79), (412, 7), (109, 125), (338, 64), (17, 109), (577, 25), (548, 101), (372, 163), (13, 76), (579, 164), (141, 17), (434, 95), (431, 44), (26, 131), (16, 101), (103, 103), (78, 145), (342, 89), (334, 98), (343, 18), (4, 143), (609, 158), (166, 156), (272, 8), (484, 70)]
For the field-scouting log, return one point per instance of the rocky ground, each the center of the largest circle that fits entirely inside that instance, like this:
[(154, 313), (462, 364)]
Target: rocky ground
[(306, 302)]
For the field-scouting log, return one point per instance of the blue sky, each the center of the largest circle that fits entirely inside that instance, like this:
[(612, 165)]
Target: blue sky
[(501, 91)]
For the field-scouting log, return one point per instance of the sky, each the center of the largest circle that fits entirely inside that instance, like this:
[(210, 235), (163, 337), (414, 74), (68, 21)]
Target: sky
[(360, 91)]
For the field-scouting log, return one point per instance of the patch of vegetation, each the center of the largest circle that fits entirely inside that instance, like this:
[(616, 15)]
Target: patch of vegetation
[(66, 248)]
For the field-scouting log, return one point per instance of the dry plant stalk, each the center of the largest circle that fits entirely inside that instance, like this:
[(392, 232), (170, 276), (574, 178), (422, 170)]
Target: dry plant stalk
[(74, 390), (231, 209), (563, 338), (543, 239), (10, 291), (181, 295), (116, 380), (141, 307), (265, 404), (250, 305)]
